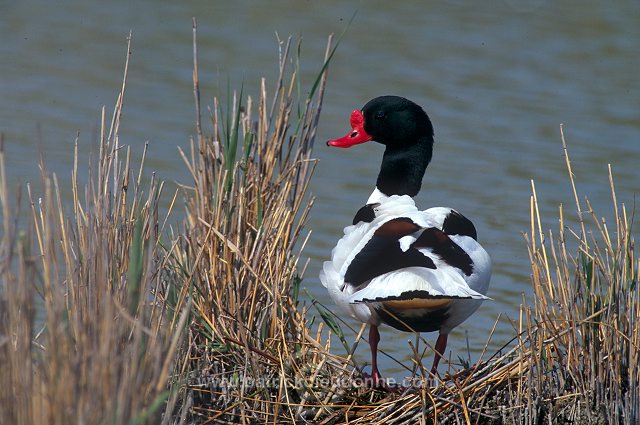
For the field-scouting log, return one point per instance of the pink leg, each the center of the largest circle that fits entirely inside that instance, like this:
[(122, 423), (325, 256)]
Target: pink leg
[(374, 338), (441, 345)]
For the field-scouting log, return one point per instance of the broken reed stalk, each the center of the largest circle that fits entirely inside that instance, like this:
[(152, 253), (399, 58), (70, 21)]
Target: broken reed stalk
[(84, 329)]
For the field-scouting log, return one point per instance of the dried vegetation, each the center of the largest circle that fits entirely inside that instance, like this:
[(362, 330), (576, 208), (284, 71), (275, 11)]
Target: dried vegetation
[(108, 317)]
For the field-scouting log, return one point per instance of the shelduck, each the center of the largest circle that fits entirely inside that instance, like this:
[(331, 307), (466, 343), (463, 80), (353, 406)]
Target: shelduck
[(417, 271)]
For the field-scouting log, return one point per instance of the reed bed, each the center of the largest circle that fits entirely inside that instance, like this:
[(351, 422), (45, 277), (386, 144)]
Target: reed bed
[(583, 330), (108, 317), (252, 355), (85, 334)]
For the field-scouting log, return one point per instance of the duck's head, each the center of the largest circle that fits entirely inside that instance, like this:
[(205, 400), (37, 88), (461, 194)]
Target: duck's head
[(406, 131), (391, 120)]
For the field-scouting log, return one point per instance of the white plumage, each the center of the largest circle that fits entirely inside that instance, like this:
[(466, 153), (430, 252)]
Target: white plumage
[(466, 292)]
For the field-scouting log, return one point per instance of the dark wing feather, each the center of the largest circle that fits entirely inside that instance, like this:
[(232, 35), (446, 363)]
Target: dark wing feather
[(365, 214), (457, 224), (450, 252)]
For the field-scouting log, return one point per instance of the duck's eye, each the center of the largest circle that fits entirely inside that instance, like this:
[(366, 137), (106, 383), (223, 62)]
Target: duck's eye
[(380, 115)]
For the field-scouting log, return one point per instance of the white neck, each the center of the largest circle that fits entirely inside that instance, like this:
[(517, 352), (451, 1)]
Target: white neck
[(376, 196)]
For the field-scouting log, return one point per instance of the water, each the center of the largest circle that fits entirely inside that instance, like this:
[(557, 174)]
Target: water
[(497, 80)]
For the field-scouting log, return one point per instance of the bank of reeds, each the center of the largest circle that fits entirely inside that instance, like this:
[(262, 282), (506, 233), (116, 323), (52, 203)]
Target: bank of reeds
[(252, 355), (583, 330), (85, 334), (107, 317)]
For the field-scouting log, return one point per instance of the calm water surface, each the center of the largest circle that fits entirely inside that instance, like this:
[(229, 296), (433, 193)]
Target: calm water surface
[(497, 79)]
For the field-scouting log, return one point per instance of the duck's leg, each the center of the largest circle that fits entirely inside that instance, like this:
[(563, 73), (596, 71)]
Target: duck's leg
[(374, 338), (441, 345)]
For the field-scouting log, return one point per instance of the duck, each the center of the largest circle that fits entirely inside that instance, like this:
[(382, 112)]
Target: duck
[(413, 270)]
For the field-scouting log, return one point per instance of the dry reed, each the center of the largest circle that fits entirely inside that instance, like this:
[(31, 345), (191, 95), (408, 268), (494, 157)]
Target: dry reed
[(252, 355), (583, 330), (85, 337)]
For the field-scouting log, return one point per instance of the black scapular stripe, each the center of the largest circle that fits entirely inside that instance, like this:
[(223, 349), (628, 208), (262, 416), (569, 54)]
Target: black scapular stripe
[(382, 254), (457, 224), (449, 251), (365, 214)]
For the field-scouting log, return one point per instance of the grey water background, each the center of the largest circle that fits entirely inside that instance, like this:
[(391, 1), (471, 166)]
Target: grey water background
[(497, 78)]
